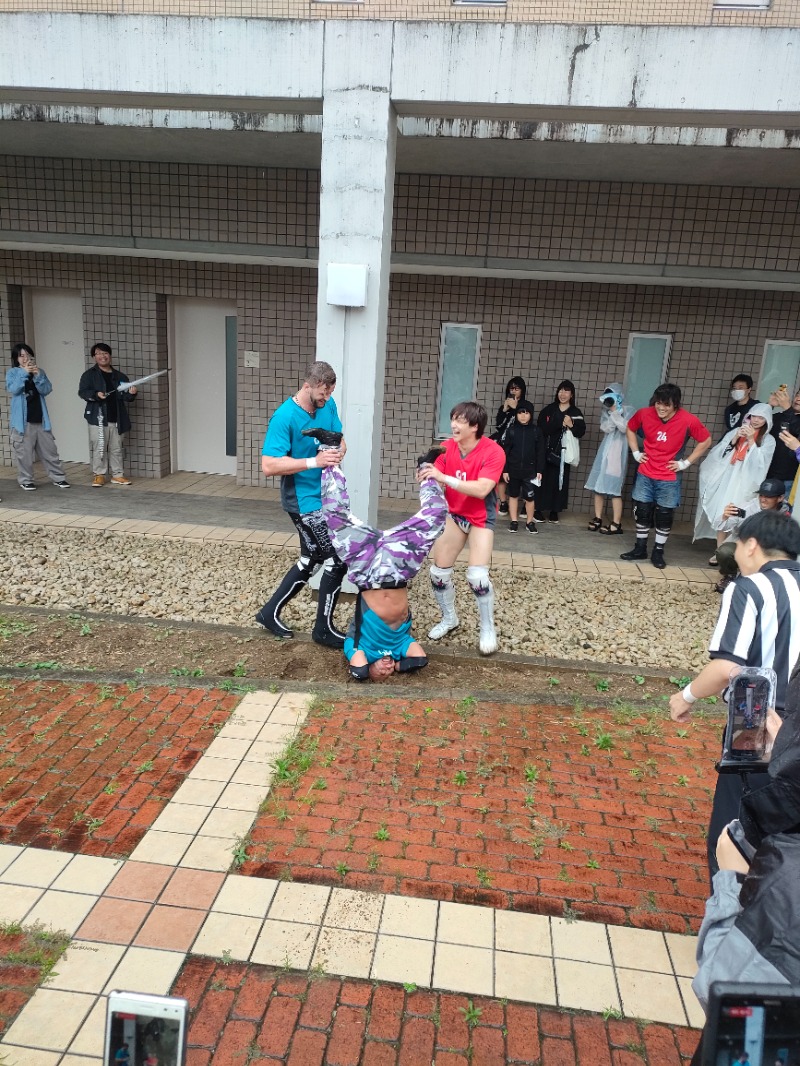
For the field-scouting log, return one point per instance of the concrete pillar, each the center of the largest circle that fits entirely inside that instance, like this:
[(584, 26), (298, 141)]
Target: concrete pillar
[(359, 131)]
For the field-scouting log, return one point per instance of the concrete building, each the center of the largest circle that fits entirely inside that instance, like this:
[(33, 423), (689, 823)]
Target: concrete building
[(613, 195)]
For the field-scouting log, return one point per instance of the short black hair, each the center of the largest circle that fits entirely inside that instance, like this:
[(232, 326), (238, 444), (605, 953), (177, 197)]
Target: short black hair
[(517, 382), (743, 377), (566, 384), (775, 533), (17, 351), (100, 347), (667, 393), (472, 413)]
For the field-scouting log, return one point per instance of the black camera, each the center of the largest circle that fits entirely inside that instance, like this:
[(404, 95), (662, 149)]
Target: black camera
[(608, 401)]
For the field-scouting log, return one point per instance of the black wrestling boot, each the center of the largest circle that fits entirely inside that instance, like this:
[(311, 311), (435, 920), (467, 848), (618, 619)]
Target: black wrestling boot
[(292, 583), (639, 551), (657, 558), (430, 457), (325, 633), (328, 438)]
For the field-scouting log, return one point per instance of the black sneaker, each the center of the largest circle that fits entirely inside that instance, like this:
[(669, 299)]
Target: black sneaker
[(502, 507), (531, 527), (61, 484), (538, 516), (328, 438), (553, 517), (513, 527), (429, 458), (639, 551), (28, 486)]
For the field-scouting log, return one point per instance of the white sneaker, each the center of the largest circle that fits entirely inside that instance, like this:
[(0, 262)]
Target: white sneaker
[(487, 644), (441, 629)]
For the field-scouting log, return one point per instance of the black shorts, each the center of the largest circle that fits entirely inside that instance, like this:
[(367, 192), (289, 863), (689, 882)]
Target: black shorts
[(521, 486)]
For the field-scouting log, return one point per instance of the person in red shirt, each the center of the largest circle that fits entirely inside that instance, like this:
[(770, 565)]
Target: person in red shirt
[(657, 489), (469, 470)]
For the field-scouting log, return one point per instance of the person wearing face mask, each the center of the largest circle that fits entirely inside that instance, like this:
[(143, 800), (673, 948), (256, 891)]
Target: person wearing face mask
[(732, 473), (741, 390)]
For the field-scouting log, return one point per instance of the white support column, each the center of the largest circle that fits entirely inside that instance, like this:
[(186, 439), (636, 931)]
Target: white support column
[(359, 132)]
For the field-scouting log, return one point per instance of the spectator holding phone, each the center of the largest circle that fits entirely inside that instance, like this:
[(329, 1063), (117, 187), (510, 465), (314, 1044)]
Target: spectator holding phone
[(785, 461), (504, 421), (770, 498)]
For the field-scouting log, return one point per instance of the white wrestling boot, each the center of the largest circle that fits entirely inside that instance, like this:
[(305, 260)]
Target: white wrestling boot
[(446, 598), (487, 638)]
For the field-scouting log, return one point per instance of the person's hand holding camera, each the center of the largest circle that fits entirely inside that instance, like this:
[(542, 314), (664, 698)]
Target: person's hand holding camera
[(510, 404), (780, 398), (733, 511), (789, 440)]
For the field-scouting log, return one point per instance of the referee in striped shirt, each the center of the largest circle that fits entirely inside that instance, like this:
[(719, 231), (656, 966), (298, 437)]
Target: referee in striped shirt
[(758, 625)]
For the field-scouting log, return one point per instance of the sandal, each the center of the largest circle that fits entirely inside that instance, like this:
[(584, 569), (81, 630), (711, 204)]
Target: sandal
[(595, 524), (713, 560), (612, 528)]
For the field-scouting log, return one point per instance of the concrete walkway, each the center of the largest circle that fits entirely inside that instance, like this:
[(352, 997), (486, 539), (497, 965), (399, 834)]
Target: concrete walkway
[(134, 923)]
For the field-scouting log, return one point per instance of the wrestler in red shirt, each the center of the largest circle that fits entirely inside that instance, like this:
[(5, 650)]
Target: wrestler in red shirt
[(657, 489), (469, 470)]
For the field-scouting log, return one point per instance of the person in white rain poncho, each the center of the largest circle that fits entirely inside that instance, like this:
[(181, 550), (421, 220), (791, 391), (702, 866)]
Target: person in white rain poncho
[(733, 471), (611, 462)]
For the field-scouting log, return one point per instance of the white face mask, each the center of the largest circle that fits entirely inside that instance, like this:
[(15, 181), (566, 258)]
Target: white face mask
[(737, 394)]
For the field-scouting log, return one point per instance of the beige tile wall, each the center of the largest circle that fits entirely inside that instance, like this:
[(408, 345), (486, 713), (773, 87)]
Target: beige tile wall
[(653, 12)]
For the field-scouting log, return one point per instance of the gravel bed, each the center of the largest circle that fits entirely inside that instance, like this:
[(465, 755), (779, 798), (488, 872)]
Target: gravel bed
[(650, 624)]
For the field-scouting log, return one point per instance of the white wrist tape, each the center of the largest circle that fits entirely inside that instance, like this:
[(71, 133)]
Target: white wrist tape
[(684, 464), (312, 462), (638, 456), (688, 695), (451, 482)]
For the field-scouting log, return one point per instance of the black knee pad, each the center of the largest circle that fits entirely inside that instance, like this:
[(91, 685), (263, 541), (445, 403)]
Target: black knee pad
[(664, 516), (412, 662), (643, 513), (359, 673)]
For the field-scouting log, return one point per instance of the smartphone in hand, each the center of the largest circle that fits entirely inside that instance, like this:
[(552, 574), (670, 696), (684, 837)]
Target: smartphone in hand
[(145, 1030)]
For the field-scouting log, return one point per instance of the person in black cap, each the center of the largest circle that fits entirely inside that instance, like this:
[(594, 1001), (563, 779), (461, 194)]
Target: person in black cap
[(770, 497)]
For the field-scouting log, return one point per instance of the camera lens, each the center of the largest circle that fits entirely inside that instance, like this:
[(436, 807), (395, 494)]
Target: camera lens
[(608, 402)]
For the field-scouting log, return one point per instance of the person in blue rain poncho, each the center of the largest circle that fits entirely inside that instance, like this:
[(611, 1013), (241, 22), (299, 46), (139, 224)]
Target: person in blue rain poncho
[(610, 465)]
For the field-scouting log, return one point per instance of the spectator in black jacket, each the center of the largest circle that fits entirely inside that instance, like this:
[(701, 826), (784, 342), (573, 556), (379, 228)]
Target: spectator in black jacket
[(506, 414), (784, 461), (741, 394), (524, 465), (107, 414)]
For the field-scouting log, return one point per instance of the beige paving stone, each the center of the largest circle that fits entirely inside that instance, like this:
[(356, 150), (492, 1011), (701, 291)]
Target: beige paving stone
[(460, 923), (166, 848), (224, 934), (61, 911), (406, 917), (582, 941), (242, 798), (208, 853), (275, 733), (183, 818), (528, 934), (240, 729), (245, 895), (8, 852), (146, 970), (220, 748), (263, 753), (256, 706), (694, 1012), (564, 564), (585, 986), (458, 968), (27, 1056), (17, 900), (639, 949), (345, 952), (529, 978), (50, 1019), (230, 824), (296, 902), (543, 562), (654, 996), (209, 768), (87, 873), (285, 944), (683, 953), (294, 701), (403, 959), (253, 773), (202, 793), (354, 910), (86, 966), (37, 867)]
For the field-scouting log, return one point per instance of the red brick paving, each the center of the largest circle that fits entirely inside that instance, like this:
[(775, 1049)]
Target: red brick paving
[(502, 805), (25, 957), (241, 1013), (87, 768)]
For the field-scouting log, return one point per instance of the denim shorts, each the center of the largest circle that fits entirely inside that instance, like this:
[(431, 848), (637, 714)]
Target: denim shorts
[(662, 493)]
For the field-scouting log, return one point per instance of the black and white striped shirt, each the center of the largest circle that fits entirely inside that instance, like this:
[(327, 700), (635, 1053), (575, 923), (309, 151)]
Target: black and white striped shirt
[(759, 622)]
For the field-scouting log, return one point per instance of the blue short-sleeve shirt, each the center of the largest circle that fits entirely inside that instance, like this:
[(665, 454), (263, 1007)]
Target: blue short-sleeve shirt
[(301, 492)]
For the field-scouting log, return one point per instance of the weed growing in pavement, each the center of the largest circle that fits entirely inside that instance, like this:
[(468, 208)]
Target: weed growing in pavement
[(409, 987), (145, 766), (593, 864), (382, 833), (11, 628), (466, 708), (472, 1014), (531, 773), (373, 861), (460, 778), (583, 729), (603, 684), (342, 869), (226, 957), (239, 855), (184, 671), (570, 914), (682, 733), (604, 741), (297, 757), (484, 877), (612, 1014), (235, 687), (683, 779), (320, 705)]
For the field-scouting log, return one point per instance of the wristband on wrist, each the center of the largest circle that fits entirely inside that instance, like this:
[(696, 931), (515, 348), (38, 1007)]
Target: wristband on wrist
[(311, 463), (451, 482), (684, 464), (689, 696), (637, 455)]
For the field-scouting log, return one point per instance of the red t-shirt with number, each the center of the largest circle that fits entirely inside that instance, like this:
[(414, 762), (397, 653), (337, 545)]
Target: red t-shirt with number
[(664, 440), (486, 459)]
